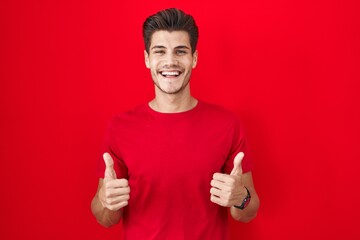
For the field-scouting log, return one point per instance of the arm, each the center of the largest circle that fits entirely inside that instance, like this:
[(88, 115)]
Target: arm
[(112, 195), (103, 215), (249, 213)]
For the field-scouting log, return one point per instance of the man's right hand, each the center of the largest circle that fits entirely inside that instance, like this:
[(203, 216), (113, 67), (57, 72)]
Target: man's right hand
[(114, 193)]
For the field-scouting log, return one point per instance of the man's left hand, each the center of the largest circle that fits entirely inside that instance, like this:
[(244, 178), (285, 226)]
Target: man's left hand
[(228, 190)]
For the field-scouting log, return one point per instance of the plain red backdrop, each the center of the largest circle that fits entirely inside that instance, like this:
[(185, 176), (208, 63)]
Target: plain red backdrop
[(289, 69)]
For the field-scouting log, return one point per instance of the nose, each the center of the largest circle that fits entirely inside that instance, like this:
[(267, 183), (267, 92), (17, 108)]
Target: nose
[(171, 59)]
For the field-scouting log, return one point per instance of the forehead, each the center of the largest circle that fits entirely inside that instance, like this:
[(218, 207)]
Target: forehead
[(170, 39)]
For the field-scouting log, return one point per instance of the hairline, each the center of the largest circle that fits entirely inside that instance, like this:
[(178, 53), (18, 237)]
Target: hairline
[(171, 31)]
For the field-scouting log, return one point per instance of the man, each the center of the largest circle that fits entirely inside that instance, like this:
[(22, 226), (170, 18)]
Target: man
[(173, 167)]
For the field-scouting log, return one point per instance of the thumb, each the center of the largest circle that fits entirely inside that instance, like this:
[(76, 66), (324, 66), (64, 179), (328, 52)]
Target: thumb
[(237, 170), (109, 163)]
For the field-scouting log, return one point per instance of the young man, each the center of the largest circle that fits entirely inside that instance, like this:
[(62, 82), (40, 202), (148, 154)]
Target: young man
[(174, 166)]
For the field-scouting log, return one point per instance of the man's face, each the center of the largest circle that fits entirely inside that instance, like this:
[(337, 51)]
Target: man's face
[(170, 60)]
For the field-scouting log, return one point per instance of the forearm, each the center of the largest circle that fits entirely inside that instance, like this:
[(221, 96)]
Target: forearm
[(103, 215), (250, 212)]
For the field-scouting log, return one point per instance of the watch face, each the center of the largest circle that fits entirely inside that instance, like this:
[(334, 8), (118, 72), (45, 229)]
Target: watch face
[(246, 202)]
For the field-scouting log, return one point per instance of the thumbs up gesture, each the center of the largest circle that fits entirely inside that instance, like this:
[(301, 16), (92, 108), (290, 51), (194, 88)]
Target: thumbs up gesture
[(228, 190), (114, 193), (237, 170)]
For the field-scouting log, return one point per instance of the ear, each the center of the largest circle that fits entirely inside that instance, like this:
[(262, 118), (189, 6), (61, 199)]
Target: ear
[(195, 58), (146, 56)]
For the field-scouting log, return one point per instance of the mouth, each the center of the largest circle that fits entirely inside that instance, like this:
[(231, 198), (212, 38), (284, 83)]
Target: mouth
[(170, 74)]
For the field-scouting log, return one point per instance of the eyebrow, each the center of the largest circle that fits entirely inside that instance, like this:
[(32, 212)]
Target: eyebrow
[(157, 46), (182, 46), (163, 47)]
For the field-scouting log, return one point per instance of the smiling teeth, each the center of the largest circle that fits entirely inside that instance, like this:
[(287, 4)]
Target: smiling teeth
[(170, 73)]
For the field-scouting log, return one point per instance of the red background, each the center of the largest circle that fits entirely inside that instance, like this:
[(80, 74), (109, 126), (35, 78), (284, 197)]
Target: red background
[(290, 69)]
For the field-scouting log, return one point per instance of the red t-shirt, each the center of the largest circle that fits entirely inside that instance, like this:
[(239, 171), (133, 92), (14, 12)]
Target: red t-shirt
[(169, 160)]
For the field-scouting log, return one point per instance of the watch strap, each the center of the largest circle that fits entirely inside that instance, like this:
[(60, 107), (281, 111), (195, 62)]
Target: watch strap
[(246, 200)]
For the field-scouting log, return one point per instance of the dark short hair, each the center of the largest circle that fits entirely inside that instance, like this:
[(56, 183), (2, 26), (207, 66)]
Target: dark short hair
[(171, 19)]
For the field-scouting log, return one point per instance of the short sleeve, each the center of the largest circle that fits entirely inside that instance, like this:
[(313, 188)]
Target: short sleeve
[(110, 145), (239, 144)]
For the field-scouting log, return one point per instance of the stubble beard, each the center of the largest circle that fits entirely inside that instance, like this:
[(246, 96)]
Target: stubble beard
[(176, 91)]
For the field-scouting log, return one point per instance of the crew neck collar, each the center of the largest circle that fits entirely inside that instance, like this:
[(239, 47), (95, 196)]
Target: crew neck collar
[(154, 112)]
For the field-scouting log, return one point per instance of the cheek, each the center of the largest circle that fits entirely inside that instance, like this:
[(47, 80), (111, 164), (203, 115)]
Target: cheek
[(154, 64), (190, 64)]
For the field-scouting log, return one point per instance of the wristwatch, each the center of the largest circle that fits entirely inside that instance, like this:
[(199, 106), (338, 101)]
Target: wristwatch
[(246, 201)]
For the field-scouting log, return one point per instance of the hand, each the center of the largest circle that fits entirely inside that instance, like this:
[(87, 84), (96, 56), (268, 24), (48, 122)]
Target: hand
[(114, 193), (228, 190)]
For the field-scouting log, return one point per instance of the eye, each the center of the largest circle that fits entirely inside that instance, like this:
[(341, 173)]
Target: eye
[(181, 52), (159, 52)]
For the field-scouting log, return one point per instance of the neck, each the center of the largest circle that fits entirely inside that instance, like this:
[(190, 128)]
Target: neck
[(172, 103)]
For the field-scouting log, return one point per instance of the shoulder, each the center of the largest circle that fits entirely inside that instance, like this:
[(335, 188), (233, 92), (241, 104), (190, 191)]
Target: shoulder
[(217, 112), (131, 116)]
